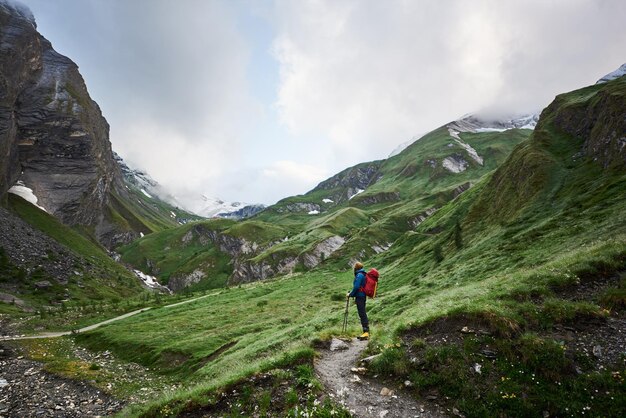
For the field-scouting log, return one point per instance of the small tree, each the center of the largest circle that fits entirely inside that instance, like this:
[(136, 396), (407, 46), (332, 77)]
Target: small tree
[(458, 235), (437, 253)]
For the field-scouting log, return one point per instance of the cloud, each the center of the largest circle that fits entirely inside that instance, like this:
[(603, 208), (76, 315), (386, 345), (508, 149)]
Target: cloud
[(187, 86), (171, 79), (277, 180), (368, 74)]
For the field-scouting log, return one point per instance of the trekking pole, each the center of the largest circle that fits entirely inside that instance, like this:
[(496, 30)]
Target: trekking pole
[(345, 315)]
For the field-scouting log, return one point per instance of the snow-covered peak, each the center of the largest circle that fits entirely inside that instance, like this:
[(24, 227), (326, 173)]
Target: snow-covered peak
[(471, 122), (212, 207), (621, 71), (477, 123)]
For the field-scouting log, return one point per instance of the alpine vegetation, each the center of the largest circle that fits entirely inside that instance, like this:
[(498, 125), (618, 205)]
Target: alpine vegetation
[(479, 270)]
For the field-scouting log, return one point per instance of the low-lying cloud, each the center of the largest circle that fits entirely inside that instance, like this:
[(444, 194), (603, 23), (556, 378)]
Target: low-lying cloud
[(356, 77)]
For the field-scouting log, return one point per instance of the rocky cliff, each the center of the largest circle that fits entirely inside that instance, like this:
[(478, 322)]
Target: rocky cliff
[(53, 137), (343, 186), (597, 119)]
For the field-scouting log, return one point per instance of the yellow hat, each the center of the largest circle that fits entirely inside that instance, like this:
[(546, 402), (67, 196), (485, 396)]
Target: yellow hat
[(358, 265)]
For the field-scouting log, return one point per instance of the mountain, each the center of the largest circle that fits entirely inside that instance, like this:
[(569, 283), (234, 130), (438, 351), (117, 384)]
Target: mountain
[(502, 289), (213, 207), (200, 207), (379, 199), (481, 123), (54, 141)]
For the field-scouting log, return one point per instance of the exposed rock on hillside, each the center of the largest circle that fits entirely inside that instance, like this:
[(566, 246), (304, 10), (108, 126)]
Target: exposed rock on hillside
[(588, 122), (53, 136), (298, 207), (31, 261), (376, 198), (345, 184), (322, 250), (243, 213), (181, 281), (600, 124), (250, 261)]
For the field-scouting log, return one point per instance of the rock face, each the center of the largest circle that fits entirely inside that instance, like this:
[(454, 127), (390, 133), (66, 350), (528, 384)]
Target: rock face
[(374, 199), (299, 207), (179, 282), (53, 137), (600, 123), (345, 185), (250, 260), (243, 213)]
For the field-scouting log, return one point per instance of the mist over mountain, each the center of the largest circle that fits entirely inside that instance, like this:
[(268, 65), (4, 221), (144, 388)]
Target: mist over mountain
[(499, 237)]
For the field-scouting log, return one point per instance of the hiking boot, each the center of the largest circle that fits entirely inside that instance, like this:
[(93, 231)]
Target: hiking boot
[(364, 336)]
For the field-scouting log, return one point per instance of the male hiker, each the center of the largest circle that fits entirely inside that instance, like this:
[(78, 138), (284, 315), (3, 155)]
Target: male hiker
[(359, 298)]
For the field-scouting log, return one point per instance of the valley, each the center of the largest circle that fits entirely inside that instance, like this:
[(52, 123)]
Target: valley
[(501, 246)]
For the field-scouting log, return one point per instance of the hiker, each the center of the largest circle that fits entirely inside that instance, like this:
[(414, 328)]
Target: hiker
[(359, 298)]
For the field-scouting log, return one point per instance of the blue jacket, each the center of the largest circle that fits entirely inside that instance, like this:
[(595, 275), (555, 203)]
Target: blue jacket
[(359, 281)]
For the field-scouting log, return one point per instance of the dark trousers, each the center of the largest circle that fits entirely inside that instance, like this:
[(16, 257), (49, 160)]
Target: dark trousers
[(360, 306)]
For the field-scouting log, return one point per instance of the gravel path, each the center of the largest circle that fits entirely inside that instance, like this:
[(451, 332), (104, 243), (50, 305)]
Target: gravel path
[(360, 395)]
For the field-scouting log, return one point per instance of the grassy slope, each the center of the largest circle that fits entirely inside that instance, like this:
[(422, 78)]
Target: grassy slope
[(419, 189), (103, 280), (139, 212), (515, 241), (170, 252)]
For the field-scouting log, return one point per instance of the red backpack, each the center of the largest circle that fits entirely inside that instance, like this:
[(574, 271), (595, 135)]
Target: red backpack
[(371, 283)]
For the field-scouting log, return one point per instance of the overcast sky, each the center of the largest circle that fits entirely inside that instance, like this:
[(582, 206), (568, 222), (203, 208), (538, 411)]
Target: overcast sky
[(258, 100)]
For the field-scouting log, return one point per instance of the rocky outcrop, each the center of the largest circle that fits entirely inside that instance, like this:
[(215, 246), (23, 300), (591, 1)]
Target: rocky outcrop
[(373, 199), (455, 163), (34, 253), (322, 250), (250, 260), (53, 136), (180, 282), (344, 185), (600, 123), (457, 191), (246, 271), (243, 213), (298, 207), (421, 217)]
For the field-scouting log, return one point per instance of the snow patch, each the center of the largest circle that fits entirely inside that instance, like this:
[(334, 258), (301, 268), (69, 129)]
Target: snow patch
[(150, 281), (146, 193), (621, 71), (455, 165), (314, 212), (490, 130), (328, 201), (3, 383), (25, 193), (478, 123), (141, 234), (173, 214), (359, 191), (471, 151), (454, 134)]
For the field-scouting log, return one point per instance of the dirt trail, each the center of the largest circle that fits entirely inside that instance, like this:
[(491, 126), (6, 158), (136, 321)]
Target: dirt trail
[(94, 326), (362, 396)]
